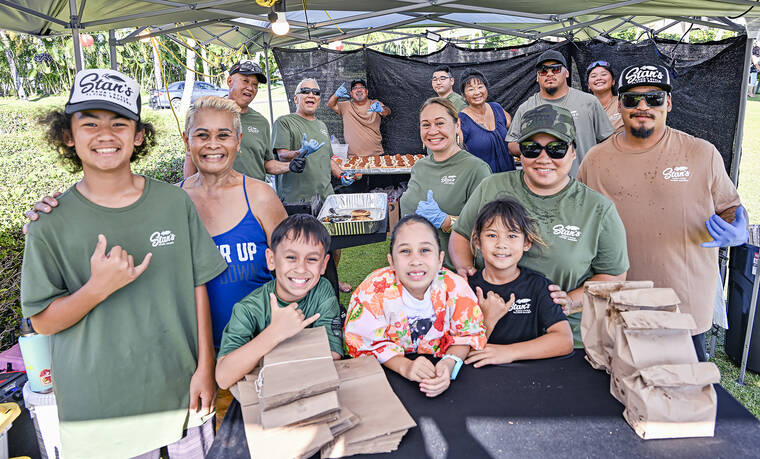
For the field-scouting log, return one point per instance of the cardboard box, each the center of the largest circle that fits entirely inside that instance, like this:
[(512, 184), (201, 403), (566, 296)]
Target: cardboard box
[(595, 301), (673, 401), (394, 215)]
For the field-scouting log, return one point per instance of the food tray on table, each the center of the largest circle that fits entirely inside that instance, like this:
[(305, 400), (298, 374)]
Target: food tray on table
[(381, 164), (353, 213)]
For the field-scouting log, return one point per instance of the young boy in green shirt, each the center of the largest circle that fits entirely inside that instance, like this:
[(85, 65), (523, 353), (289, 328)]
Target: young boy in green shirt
[(297, 298), (117, 277)]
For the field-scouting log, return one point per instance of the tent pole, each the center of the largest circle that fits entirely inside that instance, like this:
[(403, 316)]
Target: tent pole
[(74, 24), (736, 155), (112, 49), (269, 82)]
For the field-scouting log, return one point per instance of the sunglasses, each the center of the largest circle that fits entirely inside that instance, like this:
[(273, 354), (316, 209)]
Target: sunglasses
[(544, 69), (314, 91), (653, 98), (597, 64), (556, 149)]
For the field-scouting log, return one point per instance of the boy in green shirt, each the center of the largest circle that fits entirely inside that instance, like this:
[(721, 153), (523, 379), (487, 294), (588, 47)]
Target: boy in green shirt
[(297, 298), (131, 350)]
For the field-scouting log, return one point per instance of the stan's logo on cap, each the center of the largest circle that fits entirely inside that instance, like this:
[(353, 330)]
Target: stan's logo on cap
[(644, 75), (106, 90)]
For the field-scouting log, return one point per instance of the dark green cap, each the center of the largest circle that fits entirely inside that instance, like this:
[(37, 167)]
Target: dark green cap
[(548, 119)]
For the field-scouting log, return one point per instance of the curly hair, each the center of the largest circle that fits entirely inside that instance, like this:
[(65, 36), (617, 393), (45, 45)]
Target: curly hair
[(58, 123)]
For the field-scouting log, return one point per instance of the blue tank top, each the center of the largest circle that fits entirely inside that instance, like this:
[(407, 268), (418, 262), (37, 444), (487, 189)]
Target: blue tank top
[(243, 249), (489, 146)]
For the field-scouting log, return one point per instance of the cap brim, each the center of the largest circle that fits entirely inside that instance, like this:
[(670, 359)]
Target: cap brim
[(101, 105), (259, 75), (560, 135)]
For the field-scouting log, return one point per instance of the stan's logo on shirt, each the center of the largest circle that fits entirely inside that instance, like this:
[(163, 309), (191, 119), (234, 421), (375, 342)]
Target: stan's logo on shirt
[(253, 129), (615, 116), (574, 113), (521, 306), (160, 238), (324, 131), (676, 174), (449, 179), (569, 232)]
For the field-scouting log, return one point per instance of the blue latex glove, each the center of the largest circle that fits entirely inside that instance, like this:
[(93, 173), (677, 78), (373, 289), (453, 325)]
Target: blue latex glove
[(376, 107), (430, 210), (308, 146), (727, 234), (346, 179), (342, 92)]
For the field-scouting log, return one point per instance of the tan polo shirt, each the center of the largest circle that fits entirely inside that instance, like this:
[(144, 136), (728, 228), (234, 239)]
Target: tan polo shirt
[(664, 195), (361, 129)]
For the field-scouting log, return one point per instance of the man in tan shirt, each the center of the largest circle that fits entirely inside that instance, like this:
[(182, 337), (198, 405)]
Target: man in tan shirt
[(361, 118), (672, 192)]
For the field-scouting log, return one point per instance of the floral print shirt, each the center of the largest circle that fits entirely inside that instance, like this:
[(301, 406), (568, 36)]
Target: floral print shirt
[(377, 325)]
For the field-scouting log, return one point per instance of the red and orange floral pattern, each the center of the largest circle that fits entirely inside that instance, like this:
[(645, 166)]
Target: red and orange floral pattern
[(377, 325)]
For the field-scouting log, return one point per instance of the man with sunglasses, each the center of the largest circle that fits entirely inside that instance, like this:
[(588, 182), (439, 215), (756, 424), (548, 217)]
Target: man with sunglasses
[(304, 141), (591, 122), (673, 193), (361, 118), (255, 158), (585, 238), (443, 85)]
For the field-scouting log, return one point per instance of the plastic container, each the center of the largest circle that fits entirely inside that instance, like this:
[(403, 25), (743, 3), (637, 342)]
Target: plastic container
[(44, 413), (340, 150), (743, 266), (35, 349)]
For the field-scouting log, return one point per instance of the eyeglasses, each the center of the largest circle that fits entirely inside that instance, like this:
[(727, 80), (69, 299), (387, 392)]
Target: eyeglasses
[(556, 149), (544, 69), (314, 91), (597, 64), (441, 79), (653, 98)]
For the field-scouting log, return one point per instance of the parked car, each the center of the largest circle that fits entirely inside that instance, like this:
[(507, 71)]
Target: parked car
[(158, 98)]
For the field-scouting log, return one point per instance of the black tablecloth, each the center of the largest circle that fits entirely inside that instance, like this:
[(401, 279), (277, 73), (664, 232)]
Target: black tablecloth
[(560, 407)]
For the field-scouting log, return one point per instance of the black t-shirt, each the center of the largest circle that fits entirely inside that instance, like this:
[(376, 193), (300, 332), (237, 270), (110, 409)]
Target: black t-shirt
[(533, 312)]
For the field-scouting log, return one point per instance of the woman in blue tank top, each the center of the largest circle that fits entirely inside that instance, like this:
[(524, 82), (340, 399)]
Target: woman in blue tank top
[(239, 212), (484, 124)]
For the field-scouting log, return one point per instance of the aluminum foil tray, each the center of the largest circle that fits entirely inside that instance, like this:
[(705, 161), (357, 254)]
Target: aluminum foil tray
[(343, 204)]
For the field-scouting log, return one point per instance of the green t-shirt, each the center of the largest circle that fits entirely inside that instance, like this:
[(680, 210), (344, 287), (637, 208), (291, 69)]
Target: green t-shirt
[(452, 182), (592, 125), (582, 229), (255, 148), (287, 133), (251, 315), (121, 375), (459, 102)]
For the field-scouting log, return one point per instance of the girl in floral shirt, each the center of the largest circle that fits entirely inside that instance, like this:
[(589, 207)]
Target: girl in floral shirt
[(415, 306)]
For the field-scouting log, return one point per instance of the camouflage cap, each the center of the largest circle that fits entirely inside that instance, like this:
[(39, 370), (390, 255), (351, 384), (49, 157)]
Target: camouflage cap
[(549, 119)]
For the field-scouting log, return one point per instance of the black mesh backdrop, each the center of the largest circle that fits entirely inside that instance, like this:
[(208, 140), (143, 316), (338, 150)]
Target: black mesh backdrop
[(707, 81), (706, 78), (330, 69)]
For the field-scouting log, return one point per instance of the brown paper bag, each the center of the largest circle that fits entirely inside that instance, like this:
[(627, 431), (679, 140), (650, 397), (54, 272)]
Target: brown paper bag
[(659, 299), (596, 297), (647, 338), (673, 401), (299, 367), (365, 391), (300, 410)]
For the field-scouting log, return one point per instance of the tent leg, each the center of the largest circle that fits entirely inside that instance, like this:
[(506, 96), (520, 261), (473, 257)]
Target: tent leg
[(269, 83), (737, 153), (75, 34), (112, 49)]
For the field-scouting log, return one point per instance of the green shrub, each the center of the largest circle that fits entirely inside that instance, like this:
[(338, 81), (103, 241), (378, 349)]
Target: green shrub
[(29, 170)]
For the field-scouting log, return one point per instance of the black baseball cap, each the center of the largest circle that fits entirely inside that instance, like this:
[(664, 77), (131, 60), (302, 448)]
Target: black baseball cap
[(360, 81), (644, 75), (102, 89), (551, 55), (248, 67)]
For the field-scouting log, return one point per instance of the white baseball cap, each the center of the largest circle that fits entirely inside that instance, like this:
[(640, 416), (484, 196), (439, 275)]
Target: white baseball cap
[(102, 89)]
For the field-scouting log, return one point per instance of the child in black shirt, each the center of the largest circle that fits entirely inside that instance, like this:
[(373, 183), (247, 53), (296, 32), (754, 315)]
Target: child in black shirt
[(530, 325)]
